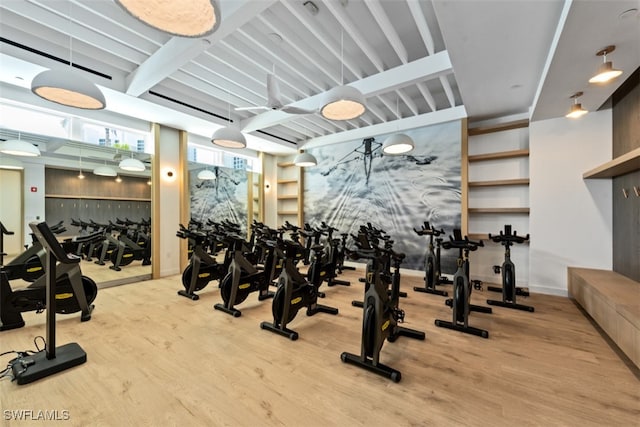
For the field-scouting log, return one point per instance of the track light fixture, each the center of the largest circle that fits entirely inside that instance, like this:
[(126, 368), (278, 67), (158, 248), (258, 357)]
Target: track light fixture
[(606, 72), (305, 160), (194, 18), (576, 109)]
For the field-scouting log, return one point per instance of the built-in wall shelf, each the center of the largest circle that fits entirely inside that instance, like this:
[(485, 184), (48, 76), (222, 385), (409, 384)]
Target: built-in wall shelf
[(499, 210), (622, 165), (287, 212), (288, 197), (499, 183), (478, 236), (500, 155), (285, 164), (287, 181), (499, 128)]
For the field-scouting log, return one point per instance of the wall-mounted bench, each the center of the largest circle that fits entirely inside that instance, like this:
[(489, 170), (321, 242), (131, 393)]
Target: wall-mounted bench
[(613, 301)]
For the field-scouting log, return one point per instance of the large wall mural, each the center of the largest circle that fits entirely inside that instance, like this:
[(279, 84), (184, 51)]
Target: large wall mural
[(354, 184), (223, 198)]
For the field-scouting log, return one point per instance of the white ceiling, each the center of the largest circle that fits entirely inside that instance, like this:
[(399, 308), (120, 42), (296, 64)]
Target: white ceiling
[(437, 60)]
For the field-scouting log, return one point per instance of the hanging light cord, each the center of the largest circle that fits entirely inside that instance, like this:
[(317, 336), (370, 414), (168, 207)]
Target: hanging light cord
[(342, 57)]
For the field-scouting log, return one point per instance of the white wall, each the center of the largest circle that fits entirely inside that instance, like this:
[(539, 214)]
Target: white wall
[(34, 206), (270, 172), (169, 202), (571, 218)]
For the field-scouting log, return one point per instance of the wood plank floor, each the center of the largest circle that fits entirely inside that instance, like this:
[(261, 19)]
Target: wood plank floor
[(158, 359)]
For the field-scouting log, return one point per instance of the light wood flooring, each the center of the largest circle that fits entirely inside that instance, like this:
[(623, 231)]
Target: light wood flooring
[(158, 359)]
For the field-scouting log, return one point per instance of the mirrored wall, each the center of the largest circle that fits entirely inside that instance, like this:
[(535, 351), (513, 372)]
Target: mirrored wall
[(82, 185)]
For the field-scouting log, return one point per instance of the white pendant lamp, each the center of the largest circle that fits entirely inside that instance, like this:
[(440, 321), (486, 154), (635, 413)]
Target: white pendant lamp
[(606, 72), (206, 174), (229, 137), (105, 171), (193, 18), (18, 147), (11, 164), (398, 143), (68, 86), (576, 110), (132, 165), (305, 160), (343, 102)]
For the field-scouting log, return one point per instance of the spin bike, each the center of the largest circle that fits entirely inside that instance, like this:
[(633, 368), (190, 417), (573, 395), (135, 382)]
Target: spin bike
[(432, 277), (244, 278), (29, 265), (202, 267), (3, 231), (294, 292), (509, 289), (73, 292), (460, 303), (381, 315)]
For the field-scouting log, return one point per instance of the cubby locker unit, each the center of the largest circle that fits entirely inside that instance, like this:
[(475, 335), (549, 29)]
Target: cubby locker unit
[(290, 193), (497, 160)]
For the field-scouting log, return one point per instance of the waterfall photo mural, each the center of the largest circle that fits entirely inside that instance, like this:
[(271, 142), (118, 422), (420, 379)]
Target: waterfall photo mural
[(354, 184), (223, 198)]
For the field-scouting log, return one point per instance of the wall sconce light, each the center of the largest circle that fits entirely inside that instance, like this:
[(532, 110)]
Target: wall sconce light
[(606, 72), (169, 174), (576, 109)]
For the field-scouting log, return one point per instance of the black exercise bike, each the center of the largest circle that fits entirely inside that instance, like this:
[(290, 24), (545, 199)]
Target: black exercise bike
[(294, 293)]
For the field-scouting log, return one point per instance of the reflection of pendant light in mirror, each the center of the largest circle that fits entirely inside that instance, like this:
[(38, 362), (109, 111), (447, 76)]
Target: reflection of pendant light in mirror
[(81, 175), (118, 179), (398, 143), (9, 163), (18, 147), (194, 18), (606, 72), (229, 137), (105, 171), (305, 160), (206, 174), (343, 102), (576, 109), (67, 86), (131, 164)]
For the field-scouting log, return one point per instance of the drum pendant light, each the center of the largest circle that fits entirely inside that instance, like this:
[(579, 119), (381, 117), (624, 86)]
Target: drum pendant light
[(343, 102), (193, 18), (305, 160), (398, 143), (18, 147), (229, 137), (67, 86)]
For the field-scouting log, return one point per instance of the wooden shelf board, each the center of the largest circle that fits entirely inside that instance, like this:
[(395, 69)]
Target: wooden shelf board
[(499, 210), (619, 166), (478, 236), (287, 212), (499, 128), (500, 182), (76, 197), (288, 197), (287, 181), (285, 164), (499, 155)]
